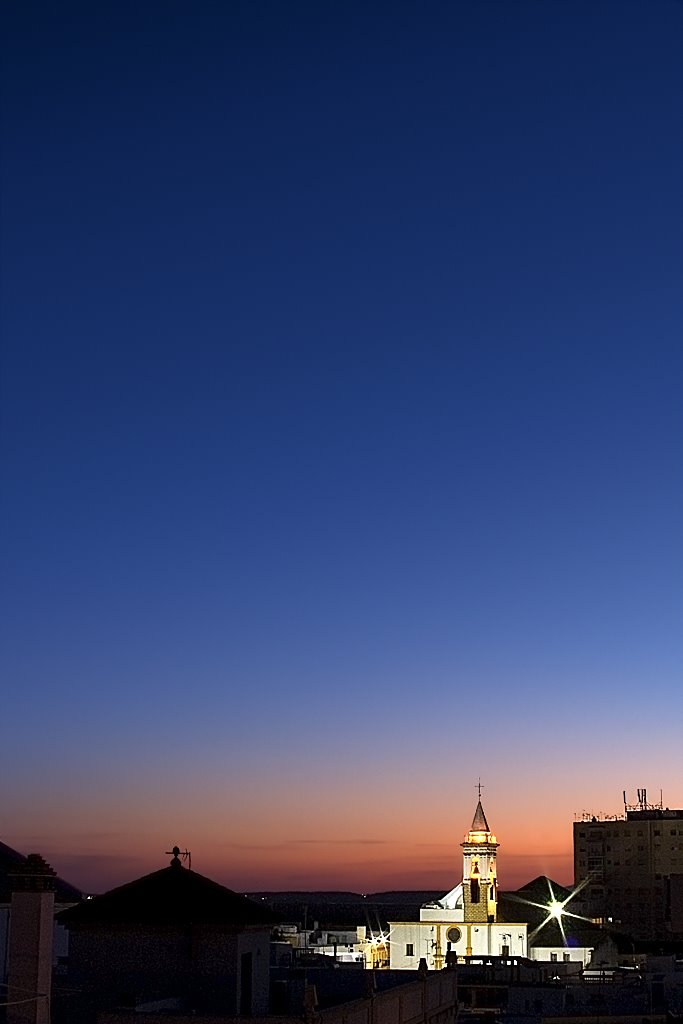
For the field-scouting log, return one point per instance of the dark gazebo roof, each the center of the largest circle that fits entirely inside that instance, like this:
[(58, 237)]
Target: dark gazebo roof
[(171, 896), (12, 863), (532, 902)]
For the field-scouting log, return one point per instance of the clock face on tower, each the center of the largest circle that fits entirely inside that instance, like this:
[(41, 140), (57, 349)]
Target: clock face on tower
[(454, 934)]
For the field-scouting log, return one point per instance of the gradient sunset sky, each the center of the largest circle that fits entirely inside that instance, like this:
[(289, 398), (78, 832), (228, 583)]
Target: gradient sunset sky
[(342, 414)]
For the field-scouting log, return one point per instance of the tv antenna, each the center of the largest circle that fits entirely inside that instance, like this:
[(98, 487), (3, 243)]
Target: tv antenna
[(643, 804)]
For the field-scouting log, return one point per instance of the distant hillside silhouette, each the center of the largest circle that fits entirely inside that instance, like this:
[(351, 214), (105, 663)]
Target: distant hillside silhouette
[(346, 909)]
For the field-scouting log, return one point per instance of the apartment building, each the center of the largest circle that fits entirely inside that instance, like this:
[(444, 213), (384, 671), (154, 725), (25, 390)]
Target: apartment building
[(631, 870)]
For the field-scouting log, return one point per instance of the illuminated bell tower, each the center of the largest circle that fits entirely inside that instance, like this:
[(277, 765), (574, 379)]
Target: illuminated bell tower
[(479, 883)]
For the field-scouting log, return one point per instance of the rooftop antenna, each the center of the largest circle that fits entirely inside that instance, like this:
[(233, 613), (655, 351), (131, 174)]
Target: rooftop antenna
[(642, 804), (178, 853)]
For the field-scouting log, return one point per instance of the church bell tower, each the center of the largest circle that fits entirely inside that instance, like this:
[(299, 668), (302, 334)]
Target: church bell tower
[(479, 883)]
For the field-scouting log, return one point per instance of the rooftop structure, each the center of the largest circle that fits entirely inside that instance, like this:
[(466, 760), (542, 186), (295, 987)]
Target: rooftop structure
[(630, 869), (171, 935)]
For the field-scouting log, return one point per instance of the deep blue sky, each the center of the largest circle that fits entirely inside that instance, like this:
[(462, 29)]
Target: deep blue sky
[(341, 402)]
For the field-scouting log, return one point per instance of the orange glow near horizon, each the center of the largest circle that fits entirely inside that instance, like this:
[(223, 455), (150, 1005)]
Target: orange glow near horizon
[(253, 862), (261, 840)]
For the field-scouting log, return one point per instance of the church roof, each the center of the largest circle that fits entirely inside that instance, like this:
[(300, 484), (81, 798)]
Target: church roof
[(453, 900), (173, 896), (12, 862), (479, 822)]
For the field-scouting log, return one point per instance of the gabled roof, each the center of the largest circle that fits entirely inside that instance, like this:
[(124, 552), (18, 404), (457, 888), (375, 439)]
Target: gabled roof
[(169, 897), (479, 822), (532, 903), (12, 862), (541, 889)]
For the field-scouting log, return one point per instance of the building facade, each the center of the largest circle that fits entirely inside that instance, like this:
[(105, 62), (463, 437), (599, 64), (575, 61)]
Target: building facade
[(630, 869)]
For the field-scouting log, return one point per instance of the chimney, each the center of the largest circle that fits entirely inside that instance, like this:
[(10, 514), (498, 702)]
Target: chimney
[(31, 926)]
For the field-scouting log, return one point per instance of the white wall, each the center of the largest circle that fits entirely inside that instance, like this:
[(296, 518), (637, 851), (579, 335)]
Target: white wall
[(60, 939), (426, 936), (257, 943), (562, 954)]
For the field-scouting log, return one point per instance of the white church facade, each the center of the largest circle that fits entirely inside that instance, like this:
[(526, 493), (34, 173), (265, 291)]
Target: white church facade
[(464, 921)]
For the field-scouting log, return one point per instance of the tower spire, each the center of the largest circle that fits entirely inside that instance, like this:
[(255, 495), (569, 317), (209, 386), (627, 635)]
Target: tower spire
[(479, 822), (479, 868)]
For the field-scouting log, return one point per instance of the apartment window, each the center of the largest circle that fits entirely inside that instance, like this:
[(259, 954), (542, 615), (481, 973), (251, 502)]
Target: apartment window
[(410, 949), (566, 957), (553, 957)]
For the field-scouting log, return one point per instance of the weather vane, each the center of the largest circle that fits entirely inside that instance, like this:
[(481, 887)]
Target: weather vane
[(178, 853)]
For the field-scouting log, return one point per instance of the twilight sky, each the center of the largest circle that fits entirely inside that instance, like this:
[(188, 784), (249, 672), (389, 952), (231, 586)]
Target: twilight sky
[(342, 415)]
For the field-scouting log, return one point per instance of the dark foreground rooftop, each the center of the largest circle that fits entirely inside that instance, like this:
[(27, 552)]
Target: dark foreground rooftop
[(171, 896)]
